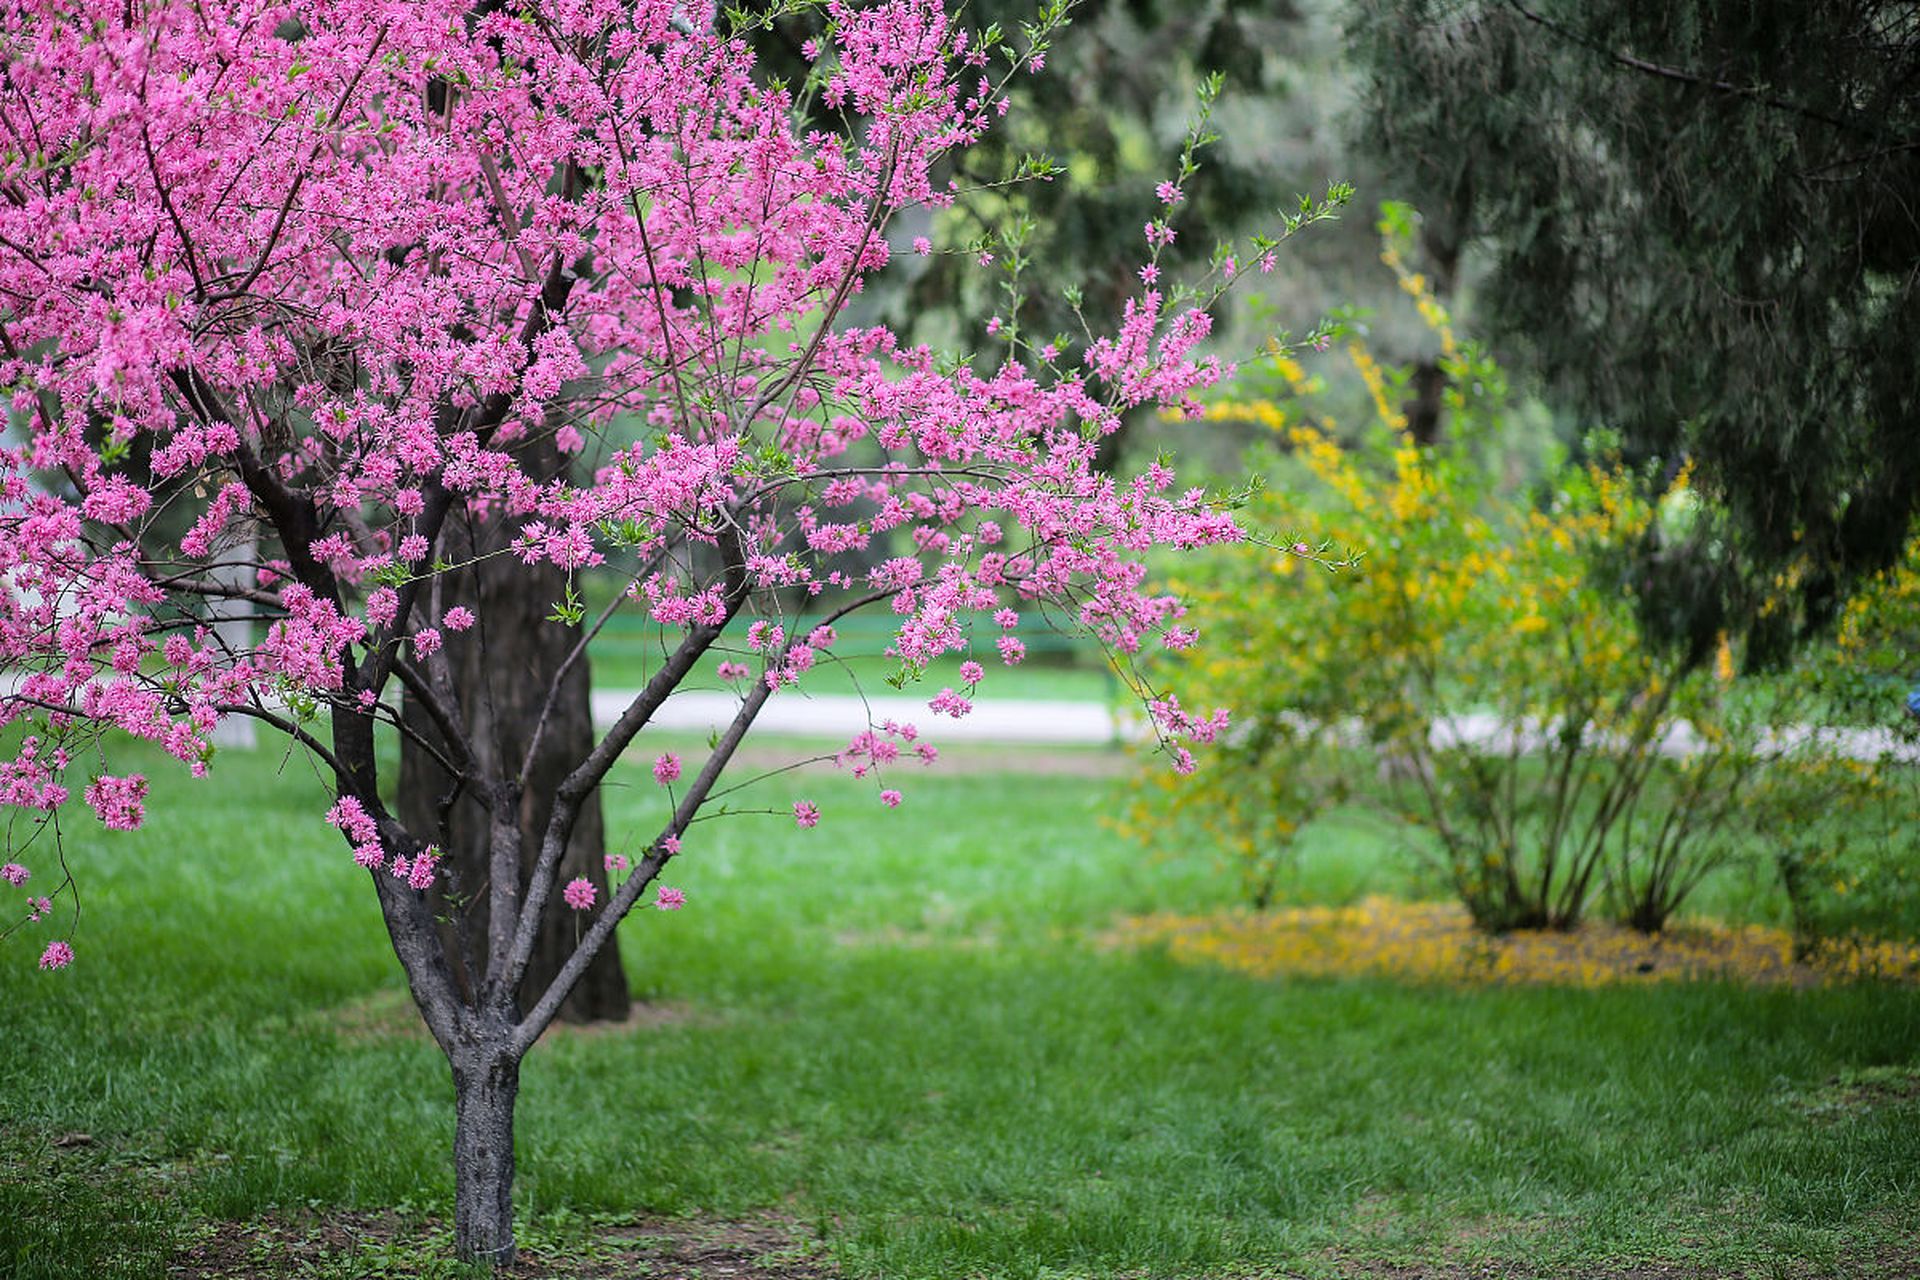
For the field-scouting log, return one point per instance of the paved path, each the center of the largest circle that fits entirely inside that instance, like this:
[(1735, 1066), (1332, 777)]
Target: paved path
[(841, 715)]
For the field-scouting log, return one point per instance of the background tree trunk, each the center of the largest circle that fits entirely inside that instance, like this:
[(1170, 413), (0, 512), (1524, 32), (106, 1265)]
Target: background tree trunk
[(1443, 237), (502, 669)]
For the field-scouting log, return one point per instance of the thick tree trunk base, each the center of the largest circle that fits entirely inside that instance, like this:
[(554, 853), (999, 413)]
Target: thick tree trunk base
[(484, 1088)]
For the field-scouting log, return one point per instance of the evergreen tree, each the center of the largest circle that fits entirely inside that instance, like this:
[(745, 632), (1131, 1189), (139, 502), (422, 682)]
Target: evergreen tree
[(1700, 223)]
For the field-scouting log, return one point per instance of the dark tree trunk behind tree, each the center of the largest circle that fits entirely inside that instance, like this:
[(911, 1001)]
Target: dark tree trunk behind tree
[(502, 669), (1443, 237)]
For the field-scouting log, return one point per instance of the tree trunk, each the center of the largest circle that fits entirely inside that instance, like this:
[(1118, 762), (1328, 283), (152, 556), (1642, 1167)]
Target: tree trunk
[(501, 670), (485, 1083), (1443, 237)]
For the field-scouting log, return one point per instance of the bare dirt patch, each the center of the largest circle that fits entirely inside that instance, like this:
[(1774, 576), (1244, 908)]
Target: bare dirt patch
[(1854, 1093), (348, 1246), (284, 1246)]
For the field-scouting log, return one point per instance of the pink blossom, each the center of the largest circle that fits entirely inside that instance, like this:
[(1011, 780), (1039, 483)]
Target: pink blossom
[(890, 798), (58, 955), (616, 861), (670, 899), (971, 672), (732, 670), (579, 893), (1168, 193), (119, 802), (116, 501), (949, 703), (670, 843), (353, 820), (458, 618), (383, 606), (806, 813), (14, 874), (666, 768), (922, 246), (1149, 273)]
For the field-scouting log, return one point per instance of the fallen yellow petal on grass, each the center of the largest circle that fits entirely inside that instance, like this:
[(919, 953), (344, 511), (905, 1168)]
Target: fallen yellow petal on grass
[(1436, 942)]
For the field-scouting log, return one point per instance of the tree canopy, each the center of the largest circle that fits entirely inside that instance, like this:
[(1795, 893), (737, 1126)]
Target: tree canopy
[(330, 296)]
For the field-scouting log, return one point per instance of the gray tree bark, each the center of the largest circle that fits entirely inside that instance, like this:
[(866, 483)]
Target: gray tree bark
[(485, 1084)]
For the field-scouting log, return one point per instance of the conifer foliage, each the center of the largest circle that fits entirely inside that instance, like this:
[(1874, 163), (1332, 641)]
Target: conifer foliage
[(1700, 223)]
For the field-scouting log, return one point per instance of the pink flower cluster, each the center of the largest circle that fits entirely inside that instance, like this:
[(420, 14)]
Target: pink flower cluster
[(418, 871), (120, 803), (949, 703), (358, 826), (873, 749)]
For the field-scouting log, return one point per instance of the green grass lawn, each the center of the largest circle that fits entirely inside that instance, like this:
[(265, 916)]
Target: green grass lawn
[(897, 1033)]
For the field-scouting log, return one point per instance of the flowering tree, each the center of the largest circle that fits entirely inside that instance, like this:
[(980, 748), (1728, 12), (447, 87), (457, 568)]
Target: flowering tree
[(320, 291)]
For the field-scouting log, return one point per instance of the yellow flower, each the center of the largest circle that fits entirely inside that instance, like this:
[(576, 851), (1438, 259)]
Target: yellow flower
[(1723, 660)]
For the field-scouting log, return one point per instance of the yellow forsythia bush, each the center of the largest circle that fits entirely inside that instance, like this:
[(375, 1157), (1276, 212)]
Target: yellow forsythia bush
[(1475, 675)]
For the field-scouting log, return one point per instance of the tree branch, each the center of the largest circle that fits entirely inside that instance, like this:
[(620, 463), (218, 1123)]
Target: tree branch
[(621, 902), (1682, 76)]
